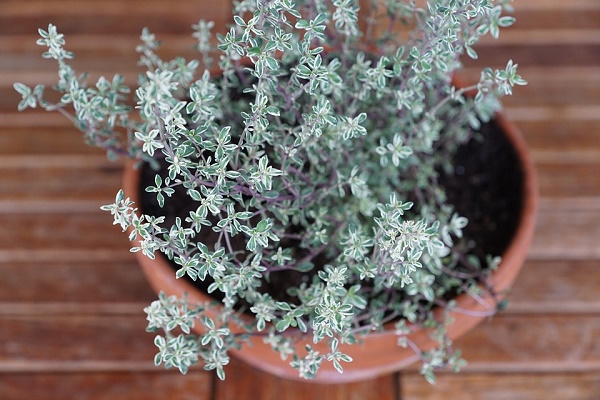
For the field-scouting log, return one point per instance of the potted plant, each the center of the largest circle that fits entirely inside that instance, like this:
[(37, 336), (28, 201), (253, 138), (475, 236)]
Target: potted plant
[(315, 191)]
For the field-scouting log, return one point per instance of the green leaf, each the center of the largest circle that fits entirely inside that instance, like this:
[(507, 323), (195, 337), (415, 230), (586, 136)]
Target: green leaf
[(263, 226), (273, 110), (194, 194), (22, 88), (506, 21), (282, 325), (283, 306), (160, 199), (239, 20), (301, 24), (271, 194), (470, 52)]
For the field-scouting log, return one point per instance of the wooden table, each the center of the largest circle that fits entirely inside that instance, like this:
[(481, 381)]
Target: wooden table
[(71, 295)]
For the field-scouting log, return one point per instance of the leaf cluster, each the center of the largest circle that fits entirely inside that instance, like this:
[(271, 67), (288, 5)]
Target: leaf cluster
[(317, 145)]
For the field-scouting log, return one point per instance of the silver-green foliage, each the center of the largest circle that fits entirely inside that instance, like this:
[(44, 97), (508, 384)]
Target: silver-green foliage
[(308, 145)]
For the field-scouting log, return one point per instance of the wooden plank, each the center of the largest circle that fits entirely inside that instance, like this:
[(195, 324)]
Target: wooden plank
[(560, 99), (537, 16), (37, 190), (79, 283), (538, 55), (568, 135), (43, 205), (39, 140), (518, 386), (563, 232), (558, 157), (61, 231), (505, 345), (548, 287), (525, 47), (533, 342), (85, 189), (556, 286), (579, 86), (73, 308), (49, 77), (573, 85), (153, 385), (583, 17), (556, 113), (66, 341), (577, 237), (251, 384), (116, 24), (74, 255), (567, 233), (509, 343), (12, 120), (576, 47), (544, 346), (110, 17), (569, 179), (540, 5), (93, 53), (16, 8), (544, 37)]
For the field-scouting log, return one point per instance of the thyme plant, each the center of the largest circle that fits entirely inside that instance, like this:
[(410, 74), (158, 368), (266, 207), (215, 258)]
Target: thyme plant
[(317, 145)]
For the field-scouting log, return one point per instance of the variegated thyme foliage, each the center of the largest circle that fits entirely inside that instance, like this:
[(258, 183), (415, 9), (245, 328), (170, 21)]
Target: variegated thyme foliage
[(321, 138)]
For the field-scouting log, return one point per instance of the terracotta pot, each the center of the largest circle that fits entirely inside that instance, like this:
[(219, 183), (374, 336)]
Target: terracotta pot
[(379, 354)]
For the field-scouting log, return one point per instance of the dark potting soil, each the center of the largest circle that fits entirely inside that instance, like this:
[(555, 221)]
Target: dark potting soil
[(486, 187)]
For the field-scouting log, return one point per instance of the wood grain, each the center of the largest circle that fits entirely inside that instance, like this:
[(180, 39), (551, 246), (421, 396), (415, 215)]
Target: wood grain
[(81, 283), (50, 338), (565, 232), (557, 286), (46, 231), (522, 386), (34, 189), (518, 342), (142, 385), (71, 294), (31, 140), (252, 384)]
